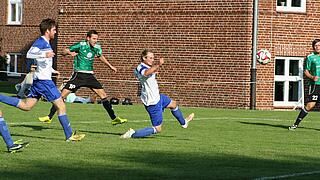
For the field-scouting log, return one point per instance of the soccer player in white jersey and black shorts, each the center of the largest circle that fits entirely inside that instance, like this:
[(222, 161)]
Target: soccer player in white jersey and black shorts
[(43, 85), (154, 102), (84, 53)]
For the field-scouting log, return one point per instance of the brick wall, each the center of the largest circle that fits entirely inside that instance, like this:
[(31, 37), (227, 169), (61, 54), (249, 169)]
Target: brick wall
[(18, 38), (284, 34), (206, 45)]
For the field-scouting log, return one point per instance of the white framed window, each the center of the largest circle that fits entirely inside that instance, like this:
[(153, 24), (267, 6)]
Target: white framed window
[(294, 6), (13, 63), (15, 12), (288, 82)]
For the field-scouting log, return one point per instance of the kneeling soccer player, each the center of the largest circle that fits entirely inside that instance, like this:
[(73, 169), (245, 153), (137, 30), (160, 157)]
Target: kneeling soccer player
[(152, 99)]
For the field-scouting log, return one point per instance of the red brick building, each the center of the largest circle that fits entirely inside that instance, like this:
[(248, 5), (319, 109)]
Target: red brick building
[(19, 27), (207, 45)]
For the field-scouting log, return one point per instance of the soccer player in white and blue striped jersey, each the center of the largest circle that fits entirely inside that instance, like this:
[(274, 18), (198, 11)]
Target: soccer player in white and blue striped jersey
[(43, 85), (154, 102)]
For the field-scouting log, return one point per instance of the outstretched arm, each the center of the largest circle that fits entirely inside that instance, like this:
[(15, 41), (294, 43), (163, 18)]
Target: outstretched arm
[(104, 60), (154, 68), (67, 51)]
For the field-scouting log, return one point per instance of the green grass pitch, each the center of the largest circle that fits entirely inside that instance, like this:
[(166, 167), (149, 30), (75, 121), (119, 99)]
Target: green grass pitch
[(219, 144)]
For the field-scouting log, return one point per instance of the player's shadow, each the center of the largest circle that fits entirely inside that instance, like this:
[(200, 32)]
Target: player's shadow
[(166, 136), (265, 124), (278, 126), (99, 132), (11, 152), (36, 128), (157, 136), (119, 134), (300, 127), (36, 137)]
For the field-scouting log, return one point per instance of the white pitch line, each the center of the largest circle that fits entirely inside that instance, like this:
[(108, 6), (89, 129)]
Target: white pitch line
[(139, 120), (222, 118), (288, 175)]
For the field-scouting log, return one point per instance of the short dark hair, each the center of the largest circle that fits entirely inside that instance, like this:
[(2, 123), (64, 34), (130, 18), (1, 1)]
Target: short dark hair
[(89, 33), (46, 24), (144, 53), (314, 42)]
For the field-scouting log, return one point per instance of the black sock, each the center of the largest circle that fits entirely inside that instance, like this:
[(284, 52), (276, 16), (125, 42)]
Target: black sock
[(108, 107), (53, 110), (303, 113)]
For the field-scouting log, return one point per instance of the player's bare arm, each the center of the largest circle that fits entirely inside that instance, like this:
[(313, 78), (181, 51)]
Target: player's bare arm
[(154, 68), (67, 51), (309, 75), (104, 60)]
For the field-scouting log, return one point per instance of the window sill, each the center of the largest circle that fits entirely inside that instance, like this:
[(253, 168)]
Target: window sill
[(294, 10), (14, 24), (13, 74)]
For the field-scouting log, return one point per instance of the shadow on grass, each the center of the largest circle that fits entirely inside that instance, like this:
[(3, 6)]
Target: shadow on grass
[(40, 128), (99, 132), (7, 87), (145, 164), (36, 137), (119, 134), (278, 126), (36, 128), (265, 124)]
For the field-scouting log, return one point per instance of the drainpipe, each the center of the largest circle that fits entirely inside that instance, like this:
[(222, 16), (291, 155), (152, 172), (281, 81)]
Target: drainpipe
[(253, 69)]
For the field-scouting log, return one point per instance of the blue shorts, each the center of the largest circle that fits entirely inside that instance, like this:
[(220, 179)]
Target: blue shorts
[(45, 88), (155, 111)]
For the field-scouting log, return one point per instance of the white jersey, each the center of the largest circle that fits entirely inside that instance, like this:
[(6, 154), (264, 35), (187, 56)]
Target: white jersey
[(150, 94), (38, 52)]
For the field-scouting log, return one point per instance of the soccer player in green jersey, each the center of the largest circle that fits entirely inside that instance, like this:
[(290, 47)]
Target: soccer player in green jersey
[(312, 71), (84, 53)]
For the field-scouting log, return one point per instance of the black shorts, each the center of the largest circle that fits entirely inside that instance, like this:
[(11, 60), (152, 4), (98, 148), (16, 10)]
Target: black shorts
[(79, 80), (314, 93)]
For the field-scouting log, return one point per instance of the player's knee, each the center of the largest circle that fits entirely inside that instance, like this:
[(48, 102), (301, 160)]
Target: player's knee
[(103, 95), (28, 108), (173, 104), (25, 107), (61, 107), (309, 106)]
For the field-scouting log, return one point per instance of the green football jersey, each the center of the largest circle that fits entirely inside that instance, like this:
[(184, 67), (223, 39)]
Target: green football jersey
[(313, 66), (83, 61)]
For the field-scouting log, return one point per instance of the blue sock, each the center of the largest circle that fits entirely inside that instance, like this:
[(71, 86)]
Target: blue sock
[(178, 115), (66, 125), (5, 133), (12, 101), (144, 132)]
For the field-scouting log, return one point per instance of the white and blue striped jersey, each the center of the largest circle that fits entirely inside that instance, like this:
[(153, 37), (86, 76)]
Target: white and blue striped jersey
[(149, 87), (38, 52)]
